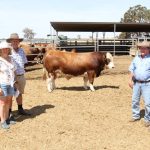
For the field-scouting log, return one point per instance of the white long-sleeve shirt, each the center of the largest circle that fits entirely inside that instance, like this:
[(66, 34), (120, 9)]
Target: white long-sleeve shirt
[(7, 70)]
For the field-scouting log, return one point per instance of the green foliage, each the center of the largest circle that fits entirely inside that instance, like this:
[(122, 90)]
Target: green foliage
[(136, 14)]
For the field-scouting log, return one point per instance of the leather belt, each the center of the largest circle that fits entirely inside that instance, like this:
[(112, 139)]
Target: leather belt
[(139, 81), (20, 74)]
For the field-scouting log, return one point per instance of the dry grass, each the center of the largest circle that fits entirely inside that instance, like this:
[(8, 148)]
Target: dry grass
[(71, 118)]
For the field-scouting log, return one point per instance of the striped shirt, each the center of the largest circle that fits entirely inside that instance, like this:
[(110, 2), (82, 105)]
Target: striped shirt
[(140, 67), (20, 59)]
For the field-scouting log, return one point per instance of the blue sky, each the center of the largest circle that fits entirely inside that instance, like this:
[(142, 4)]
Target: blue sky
[(15, 15)]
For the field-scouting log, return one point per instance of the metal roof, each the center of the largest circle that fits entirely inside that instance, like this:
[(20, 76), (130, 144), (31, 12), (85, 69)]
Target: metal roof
[(100, 27)]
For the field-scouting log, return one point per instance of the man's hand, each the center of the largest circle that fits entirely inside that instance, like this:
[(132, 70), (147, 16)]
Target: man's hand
[(131, 83)]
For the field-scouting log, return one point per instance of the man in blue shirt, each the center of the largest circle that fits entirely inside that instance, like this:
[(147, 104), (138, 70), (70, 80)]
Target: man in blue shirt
[(140, 82), (20, 59)]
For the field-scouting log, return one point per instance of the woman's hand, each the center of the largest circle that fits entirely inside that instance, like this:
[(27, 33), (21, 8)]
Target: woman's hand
[(1, 92)]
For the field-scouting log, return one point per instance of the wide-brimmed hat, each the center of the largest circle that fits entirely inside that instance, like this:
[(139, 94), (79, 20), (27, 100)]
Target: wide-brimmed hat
[(4, 44), (143, 44), (14, 36)]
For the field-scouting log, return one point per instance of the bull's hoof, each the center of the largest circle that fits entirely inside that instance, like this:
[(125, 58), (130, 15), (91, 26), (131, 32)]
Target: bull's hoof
[(50, 90), (92, 88), (85, 87)]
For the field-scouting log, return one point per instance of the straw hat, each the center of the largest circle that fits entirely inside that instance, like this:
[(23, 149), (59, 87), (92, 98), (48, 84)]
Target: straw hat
[(144, 44), (14, 36), (4, 44)]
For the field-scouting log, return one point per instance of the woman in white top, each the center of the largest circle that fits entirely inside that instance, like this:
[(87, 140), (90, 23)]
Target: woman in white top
[(7, 74)]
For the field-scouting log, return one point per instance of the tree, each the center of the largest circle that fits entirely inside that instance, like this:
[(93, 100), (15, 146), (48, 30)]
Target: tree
[(136, 14), (28, 34)]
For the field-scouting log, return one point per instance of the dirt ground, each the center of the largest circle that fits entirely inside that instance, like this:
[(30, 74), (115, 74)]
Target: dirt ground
[(71, 118)]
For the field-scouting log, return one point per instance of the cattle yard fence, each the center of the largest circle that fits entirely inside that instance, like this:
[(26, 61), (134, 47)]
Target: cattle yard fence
[(114, 46)]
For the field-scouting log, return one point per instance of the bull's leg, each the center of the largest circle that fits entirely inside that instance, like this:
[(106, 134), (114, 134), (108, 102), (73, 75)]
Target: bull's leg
[(50, 83), (91, 76), (54, 77), (92, 87), (53, 83), (85, 79)]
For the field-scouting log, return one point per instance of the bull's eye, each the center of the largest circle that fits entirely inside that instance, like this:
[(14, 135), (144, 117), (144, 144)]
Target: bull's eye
[(107, 61)]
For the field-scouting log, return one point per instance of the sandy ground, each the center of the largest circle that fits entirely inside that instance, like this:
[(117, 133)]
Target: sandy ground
[(71, 118)]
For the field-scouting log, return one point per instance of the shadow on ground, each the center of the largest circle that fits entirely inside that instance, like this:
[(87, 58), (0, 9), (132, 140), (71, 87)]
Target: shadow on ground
[(35, 111), (81, 88)]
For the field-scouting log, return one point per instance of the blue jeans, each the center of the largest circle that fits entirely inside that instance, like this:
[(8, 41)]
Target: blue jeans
[(141, 89), (8, 90)]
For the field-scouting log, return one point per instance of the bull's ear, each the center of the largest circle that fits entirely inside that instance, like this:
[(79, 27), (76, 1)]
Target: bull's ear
[(104, 55), (105, 58)]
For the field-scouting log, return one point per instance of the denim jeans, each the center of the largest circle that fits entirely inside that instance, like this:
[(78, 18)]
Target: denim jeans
[(141, 89), (8, 90)]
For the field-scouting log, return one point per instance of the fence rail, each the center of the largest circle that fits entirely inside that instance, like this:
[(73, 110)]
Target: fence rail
[(115, 46)]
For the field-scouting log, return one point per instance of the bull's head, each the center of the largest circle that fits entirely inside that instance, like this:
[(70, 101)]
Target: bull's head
[(109, 61)]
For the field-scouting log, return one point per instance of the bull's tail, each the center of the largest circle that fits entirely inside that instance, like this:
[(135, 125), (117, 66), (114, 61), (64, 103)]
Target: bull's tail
[(45, 74)]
